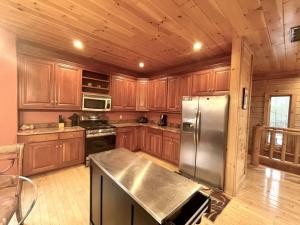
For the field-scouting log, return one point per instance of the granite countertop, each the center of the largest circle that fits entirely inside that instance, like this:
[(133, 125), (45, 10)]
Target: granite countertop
[(164, 128), (159, 191), (49, 130)]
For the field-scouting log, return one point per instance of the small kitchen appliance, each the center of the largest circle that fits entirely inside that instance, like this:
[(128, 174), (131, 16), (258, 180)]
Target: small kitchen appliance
[(142, 119), (163, 121)]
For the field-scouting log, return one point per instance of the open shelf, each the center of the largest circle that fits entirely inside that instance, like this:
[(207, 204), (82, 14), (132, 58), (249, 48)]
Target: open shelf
[(94, 82)]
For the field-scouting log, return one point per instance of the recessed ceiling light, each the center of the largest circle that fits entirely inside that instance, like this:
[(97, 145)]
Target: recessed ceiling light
[(141, 65), (78, 44), (197, 46)]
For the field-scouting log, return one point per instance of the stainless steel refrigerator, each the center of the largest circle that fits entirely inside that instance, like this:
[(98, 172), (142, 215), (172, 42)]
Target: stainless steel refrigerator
[(204, 139)]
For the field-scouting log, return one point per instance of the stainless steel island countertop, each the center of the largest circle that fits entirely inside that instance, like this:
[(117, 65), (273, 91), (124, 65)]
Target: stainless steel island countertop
[(159, 191)]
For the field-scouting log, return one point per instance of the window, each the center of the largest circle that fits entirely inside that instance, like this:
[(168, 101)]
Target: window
[(279, 114)]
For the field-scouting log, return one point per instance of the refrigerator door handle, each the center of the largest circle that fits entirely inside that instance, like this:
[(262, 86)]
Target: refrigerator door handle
[(196, 129), (198, 126)]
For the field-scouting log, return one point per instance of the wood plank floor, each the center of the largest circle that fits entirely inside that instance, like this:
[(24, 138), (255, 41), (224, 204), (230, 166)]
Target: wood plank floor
[(267, 197)]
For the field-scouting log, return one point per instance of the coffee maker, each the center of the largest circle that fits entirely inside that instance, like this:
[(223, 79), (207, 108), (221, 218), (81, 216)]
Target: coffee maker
[(163, 120)]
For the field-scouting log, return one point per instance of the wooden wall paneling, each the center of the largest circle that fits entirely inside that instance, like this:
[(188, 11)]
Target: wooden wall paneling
[(238, 127)]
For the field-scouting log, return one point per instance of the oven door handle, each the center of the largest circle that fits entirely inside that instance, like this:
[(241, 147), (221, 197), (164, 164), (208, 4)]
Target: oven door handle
[(100, 134)]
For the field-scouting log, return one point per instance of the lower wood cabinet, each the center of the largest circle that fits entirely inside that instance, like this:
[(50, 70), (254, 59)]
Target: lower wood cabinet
[(126, 138), (171, 147), (47, 152), (154, 142)]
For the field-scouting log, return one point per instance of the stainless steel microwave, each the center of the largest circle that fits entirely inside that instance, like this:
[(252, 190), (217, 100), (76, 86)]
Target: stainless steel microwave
[(95, 102)]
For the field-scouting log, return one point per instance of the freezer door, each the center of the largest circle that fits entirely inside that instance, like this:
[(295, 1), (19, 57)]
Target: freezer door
[(212, 140), (188, 136)]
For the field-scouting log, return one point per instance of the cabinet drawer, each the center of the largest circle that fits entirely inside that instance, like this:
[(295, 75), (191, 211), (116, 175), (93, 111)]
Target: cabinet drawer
[(171, 134), (155, 131), (42, 138), (69, 135)]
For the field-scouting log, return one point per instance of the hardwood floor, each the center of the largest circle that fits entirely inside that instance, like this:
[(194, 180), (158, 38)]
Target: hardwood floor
[(267, 196)]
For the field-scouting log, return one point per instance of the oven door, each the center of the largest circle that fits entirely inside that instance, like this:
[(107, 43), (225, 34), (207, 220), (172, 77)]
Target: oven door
[(99, 144), (96, 104)]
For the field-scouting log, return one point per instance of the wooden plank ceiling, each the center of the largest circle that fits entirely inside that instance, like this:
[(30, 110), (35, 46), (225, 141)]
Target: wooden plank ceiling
[(160, 33)]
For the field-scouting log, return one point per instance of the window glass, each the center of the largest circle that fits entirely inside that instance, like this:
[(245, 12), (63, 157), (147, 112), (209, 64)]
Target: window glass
[(279, 114)]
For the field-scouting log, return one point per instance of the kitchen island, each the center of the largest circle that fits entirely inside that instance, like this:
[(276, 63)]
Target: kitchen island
[(130, 190)]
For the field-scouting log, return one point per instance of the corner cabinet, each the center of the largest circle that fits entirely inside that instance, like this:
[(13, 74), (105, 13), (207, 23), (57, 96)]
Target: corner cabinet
[(44, 84), (123, 92)]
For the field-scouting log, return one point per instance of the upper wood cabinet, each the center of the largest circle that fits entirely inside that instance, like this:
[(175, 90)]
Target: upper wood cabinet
[(221, 79), (158, 91), (68, 86), (207, 82), (36, 83), (142, 87), (202, 82), (45, 84), (123, 92), (173, 94)]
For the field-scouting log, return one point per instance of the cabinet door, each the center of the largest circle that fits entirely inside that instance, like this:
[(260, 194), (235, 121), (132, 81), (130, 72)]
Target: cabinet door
[(201, 82), (221, 79), (68, 86), (185, 86), (130, 94), (36, 83), (117, 92), (71, 152), (160, 93), (125, 138), (142, 87), (142, 138), (154, 142), (173, 98), (41, 157)]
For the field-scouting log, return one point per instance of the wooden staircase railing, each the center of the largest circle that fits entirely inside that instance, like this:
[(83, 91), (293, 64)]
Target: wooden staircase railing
[(276, 147)]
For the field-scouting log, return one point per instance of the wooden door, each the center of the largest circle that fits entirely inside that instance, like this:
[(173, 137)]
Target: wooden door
[(71, 152), (221, 79), (117, 92), (141, 138), (142, 87), (173, 99), (130, 94), (160, 94), (68, 81), (36, 83), (41, 157), (154, 142), (201, 82)]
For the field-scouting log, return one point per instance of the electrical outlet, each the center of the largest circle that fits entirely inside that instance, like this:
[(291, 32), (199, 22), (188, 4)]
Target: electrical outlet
[(121, 117)]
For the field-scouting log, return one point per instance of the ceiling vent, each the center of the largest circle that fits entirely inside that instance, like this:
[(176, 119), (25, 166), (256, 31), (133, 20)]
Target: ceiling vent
[(295, 34)]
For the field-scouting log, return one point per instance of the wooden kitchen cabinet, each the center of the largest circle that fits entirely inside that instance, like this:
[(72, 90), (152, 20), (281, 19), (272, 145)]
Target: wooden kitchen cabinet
[(221, 79), (141, 137), (142, 87), (36, 83), (123, 93), (173, 94), (45, 152), (125, 138), (44, 84), (71, 152), (208, 82), (68, 84), (154, 142), (158, 91), (171, 147), (41, 157)]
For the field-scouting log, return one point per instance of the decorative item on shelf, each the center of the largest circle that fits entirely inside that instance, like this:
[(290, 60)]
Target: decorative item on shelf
[(89, 84), (61, 121), (27, 127), (98, 86), (245, 98)]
